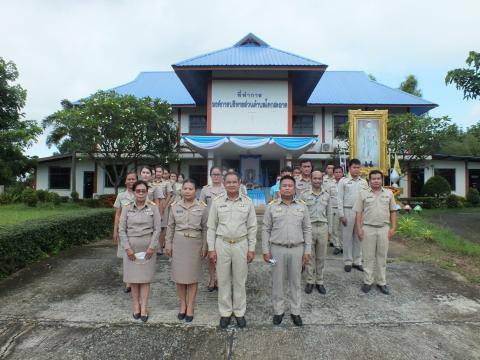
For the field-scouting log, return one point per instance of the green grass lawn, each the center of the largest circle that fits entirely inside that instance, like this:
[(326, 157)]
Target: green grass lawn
[(415, 227), (18, 213)]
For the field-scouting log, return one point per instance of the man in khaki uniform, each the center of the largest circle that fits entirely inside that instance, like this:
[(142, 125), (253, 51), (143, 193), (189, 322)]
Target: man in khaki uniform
[(304, 181), (334, 218), (376, 221), (328, 177), (348, 190), (286, 239), (207, 194), (317, 201), (231, 238)]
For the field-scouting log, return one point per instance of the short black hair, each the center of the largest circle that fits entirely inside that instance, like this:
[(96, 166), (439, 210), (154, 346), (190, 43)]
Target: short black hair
[(287, 177), (337, 167), (354, 162), (303, 161), (190, 181), (139, 182), (286, 169), (232, 173), (373, 172)]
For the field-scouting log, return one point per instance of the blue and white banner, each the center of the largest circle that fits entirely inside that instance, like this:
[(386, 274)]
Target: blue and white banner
[(249, 142)]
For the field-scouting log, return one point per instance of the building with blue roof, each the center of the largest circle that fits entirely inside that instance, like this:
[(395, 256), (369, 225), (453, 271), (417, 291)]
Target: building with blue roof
[(255, 108)]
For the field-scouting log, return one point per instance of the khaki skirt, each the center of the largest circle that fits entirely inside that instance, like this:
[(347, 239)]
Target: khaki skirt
[(186, 259), (139, 271)]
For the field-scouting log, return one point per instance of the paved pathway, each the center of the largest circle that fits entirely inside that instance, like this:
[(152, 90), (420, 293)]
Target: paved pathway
[(72, 307)]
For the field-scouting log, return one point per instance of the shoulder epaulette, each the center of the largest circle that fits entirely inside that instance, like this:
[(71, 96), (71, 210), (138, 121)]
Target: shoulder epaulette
[(173, 203), (272, 202), (129, 204), (301, 201), (151, 203), (201, 202)]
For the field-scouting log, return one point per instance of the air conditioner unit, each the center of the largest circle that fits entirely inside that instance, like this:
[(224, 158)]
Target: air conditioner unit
[(325, 147)]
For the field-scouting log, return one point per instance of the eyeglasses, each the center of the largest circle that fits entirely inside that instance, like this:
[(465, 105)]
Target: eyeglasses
[(216, 174), (140, 191)]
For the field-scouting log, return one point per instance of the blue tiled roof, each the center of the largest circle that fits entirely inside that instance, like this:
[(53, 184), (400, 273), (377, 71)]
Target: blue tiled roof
[(355, 87), (334, 88), (163, 85), (249, 51)]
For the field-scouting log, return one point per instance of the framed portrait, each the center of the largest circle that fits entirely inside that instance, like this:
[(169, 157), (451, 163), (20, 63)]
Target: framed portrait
[(368, 138)]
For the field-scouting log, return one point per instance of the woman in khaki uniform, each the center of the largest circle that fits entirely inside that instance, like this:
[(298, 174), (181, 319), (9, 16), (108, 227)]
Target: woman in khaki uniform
[(147, 176), (186, 244), (139, 232), (123, 199)]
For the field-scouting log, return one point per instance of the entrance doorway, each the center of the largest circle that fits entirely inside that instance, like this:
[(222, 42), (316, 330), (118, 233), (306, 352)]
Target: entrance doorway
[(270, 170), (88, 177), (417, 177), (474, 178)]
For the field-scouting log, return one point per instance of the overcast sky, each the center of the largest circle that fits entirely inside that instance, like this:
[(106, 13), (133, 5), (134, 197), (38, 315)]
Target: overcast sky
[(70, 49)]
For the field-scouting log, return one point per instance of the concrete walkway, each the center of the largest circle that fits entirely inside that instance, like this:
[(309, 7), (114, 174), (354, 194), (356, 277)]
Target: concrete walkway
[(73, 307)]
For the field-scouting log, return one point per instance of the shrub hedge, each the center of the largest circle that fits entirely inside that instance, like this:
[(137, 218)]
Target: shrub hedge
[(20, 245)]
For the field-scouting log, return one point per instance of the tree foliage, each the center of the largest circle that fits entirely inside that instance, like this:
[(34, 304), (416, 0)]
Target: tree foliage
[(16, 134), (414, 138), (410, 85), (467, 79), (120, 128), (436, 186)]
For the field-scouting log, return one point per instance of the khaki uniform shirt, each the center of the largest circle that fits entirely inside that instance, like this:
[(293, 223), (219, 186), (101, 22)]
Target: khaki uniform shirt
[(191, 222), (124, 198), (302, 185), (143, 221), (332, 189), (286, 225), (209, 192), (317, 205), (375, 207), (348, 190), (232, 219), (162, 189), (327, 181)]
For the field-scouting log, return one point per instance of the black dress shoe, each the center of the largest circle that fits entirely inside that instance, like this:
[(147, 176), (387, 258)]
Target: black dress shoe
[(384, 289), (136, 316), (331, 244), (366, 288), (181, 316), (188, 318), (126, 290), (224, 322), (277, 319), (358, 267), (212, 288), (336, 251), (321, 289), (241, 322), (348, 268), (297, 320), (309, 288), (144, 318)]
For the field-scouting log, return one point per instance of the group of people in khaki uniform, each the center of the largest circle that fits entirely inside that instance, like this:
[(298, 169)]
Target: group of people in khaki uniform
[(308, 212)]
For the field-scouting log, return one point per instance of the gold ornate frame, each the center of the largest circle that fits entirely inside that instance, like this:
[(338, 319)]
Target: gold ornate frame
[(377, 115)]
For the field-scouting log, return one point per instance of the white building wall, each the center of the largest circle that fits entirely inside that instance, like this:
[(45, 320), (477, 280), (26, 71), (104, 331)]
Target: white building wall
[(460, 175)]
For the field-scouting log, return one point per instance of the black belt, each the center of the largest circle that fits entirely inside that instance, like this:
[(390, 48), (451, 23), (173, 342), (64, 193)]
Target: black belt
[(289, 246)]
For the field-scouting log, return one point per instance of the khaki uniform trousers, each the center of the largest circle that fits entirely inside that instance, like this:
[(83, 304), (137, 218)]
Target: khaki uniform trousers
[(336, 238), (288, 267), (316, 265), (352, 246), (375, 248), (232, 271)]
